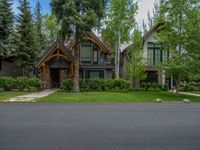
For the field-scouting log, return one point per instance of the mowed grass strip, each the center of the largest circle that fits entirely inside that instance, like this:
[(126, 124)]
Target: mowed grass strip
[(112, 97), (8, 95)]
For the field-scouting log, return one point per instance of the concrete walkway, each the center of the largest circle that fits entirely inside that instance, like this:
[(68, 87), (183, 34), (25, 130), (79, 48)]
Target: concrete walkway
[(32, 97), (192, 94)]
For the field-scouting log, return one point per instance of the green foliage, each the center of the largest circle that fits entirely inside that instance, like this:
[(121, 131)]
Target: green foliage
[(190, 86), (180, 36), (21, 83), (26, 48), (120, 19), (51, 27), (68, 85), (98, 85), (41, 39), (135, 60), (6, 25), (154, 87), (6, 83), (77, 16)]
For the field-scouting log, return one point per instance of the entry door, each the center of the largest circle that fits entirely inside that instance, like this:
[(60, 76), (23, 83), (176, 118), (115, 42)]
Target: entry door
[(55, 78)]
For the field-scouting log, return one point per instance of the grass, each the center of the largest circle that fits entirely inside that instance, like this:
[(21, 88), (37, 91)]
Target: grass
[(195, 92), (108, 97), (8, 95)]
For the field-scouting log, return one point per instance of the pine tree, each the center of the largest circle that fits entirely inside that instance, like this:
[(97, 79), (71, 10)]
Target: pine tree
[(38, 21), (6, 25), (26, 47), (77, 17)]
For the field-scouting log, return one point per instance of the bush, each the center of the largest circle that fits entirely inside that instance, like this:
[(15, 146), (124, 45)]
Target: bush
[(190, 86), (98, 85), (34, 82), (6, 83), (68, 85), (21, 83)]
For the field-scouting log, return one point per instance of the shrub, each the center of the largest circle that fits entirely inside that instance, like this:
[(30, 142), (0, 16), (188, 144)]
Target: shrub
[(6, 83), (98, 85), (34, 82), (68, 85), (190, 86), (21, 83)]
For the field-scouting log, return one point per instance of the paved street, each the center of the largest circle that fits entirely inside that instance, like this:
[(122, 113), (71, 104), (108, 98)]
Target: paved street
[(100, 126)]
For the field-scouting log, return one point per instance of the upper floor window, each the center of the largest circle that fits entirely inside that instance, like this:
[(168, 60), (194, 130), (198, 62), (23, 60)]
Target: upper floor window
[(85, 54), (89, 53), (156, 54)]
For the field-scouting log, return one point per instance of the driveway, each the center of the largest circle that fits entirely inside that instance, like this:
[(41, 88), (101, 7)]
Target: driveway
[(100, 126)]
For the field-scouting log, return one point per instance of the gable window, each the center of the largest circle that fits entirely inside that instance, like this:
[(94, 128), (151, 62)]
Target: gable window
[(93, 74), (156, 55), (86, 54)]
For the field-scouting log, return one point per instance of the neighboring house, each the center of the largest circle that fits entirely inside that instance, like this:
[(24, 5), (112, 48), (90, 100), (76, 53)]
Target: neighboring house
[(154, 56), (57, 63), (8, 67)]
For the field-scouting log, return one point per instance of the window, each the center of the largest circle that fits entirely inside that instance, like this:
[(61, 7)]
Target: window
[(86, 54), (91, 74), (95, 56), (155, 54)]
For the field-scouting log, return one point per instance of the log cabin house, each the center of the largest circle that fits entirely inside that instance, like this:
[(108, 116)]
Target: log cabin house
[(57, 63)]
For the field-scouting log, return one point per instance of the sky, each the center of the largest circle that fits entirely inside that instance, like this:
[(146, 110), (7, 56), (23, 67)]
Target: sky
[(144, 7)]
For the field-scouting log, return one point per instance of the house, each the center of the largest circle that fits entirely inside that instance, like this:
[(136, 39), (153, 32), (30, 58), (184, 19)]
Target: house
[(8, 66), (57, 63), (154, 56)]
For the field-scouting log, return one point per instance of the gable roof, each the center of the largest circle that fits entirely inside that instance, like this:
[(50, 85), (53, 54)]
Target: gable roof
[(154, 28), (92, 37), (55, 44)]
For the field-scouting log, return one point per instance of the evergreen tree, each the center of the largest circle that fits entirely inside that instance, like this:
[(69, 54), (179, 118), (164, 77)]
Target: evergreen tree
[(77, 17), (26, 40), (6, 25), (39, 25)]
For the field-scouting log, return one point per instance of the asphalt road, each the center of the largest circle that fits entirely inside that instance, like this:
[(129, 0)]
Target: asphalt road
[(100, 127)]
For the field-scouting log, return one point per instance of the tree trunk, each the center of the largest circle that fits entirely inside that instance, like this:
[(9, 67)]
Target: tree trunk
[(117, 56), (177, 84), (76, 69)]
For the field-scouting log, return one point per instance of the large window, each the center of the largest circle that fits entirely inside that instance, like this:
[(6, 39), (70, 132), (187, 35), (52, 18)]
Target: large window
[(93, 74), (86, 54), (89, 53), (155, 54)]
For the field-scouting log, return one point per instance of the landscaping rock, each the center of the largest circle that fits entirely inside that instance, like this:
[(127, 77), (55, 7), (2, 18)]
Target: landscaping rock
[(186, 101), (158, 100)]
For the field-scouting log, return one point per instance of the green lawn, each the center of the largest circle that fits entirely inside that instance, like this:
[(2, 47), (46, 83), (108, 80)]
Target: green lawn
[(195, 92), (8, 95), (115, 97)]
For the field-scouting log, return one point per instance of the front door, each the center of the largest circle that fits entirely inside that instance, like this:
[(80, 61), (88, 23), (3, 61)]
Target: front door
[(55, 78)]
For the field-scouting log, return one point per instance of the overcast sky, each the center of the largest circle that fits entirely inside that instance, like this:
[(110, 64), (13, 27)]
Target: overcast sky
[(144, 7)]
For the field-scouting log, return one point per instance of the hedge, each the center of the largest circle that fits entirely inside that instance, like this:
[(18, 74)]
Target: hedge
[(98, 85), (190, 86), (21, 83)]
